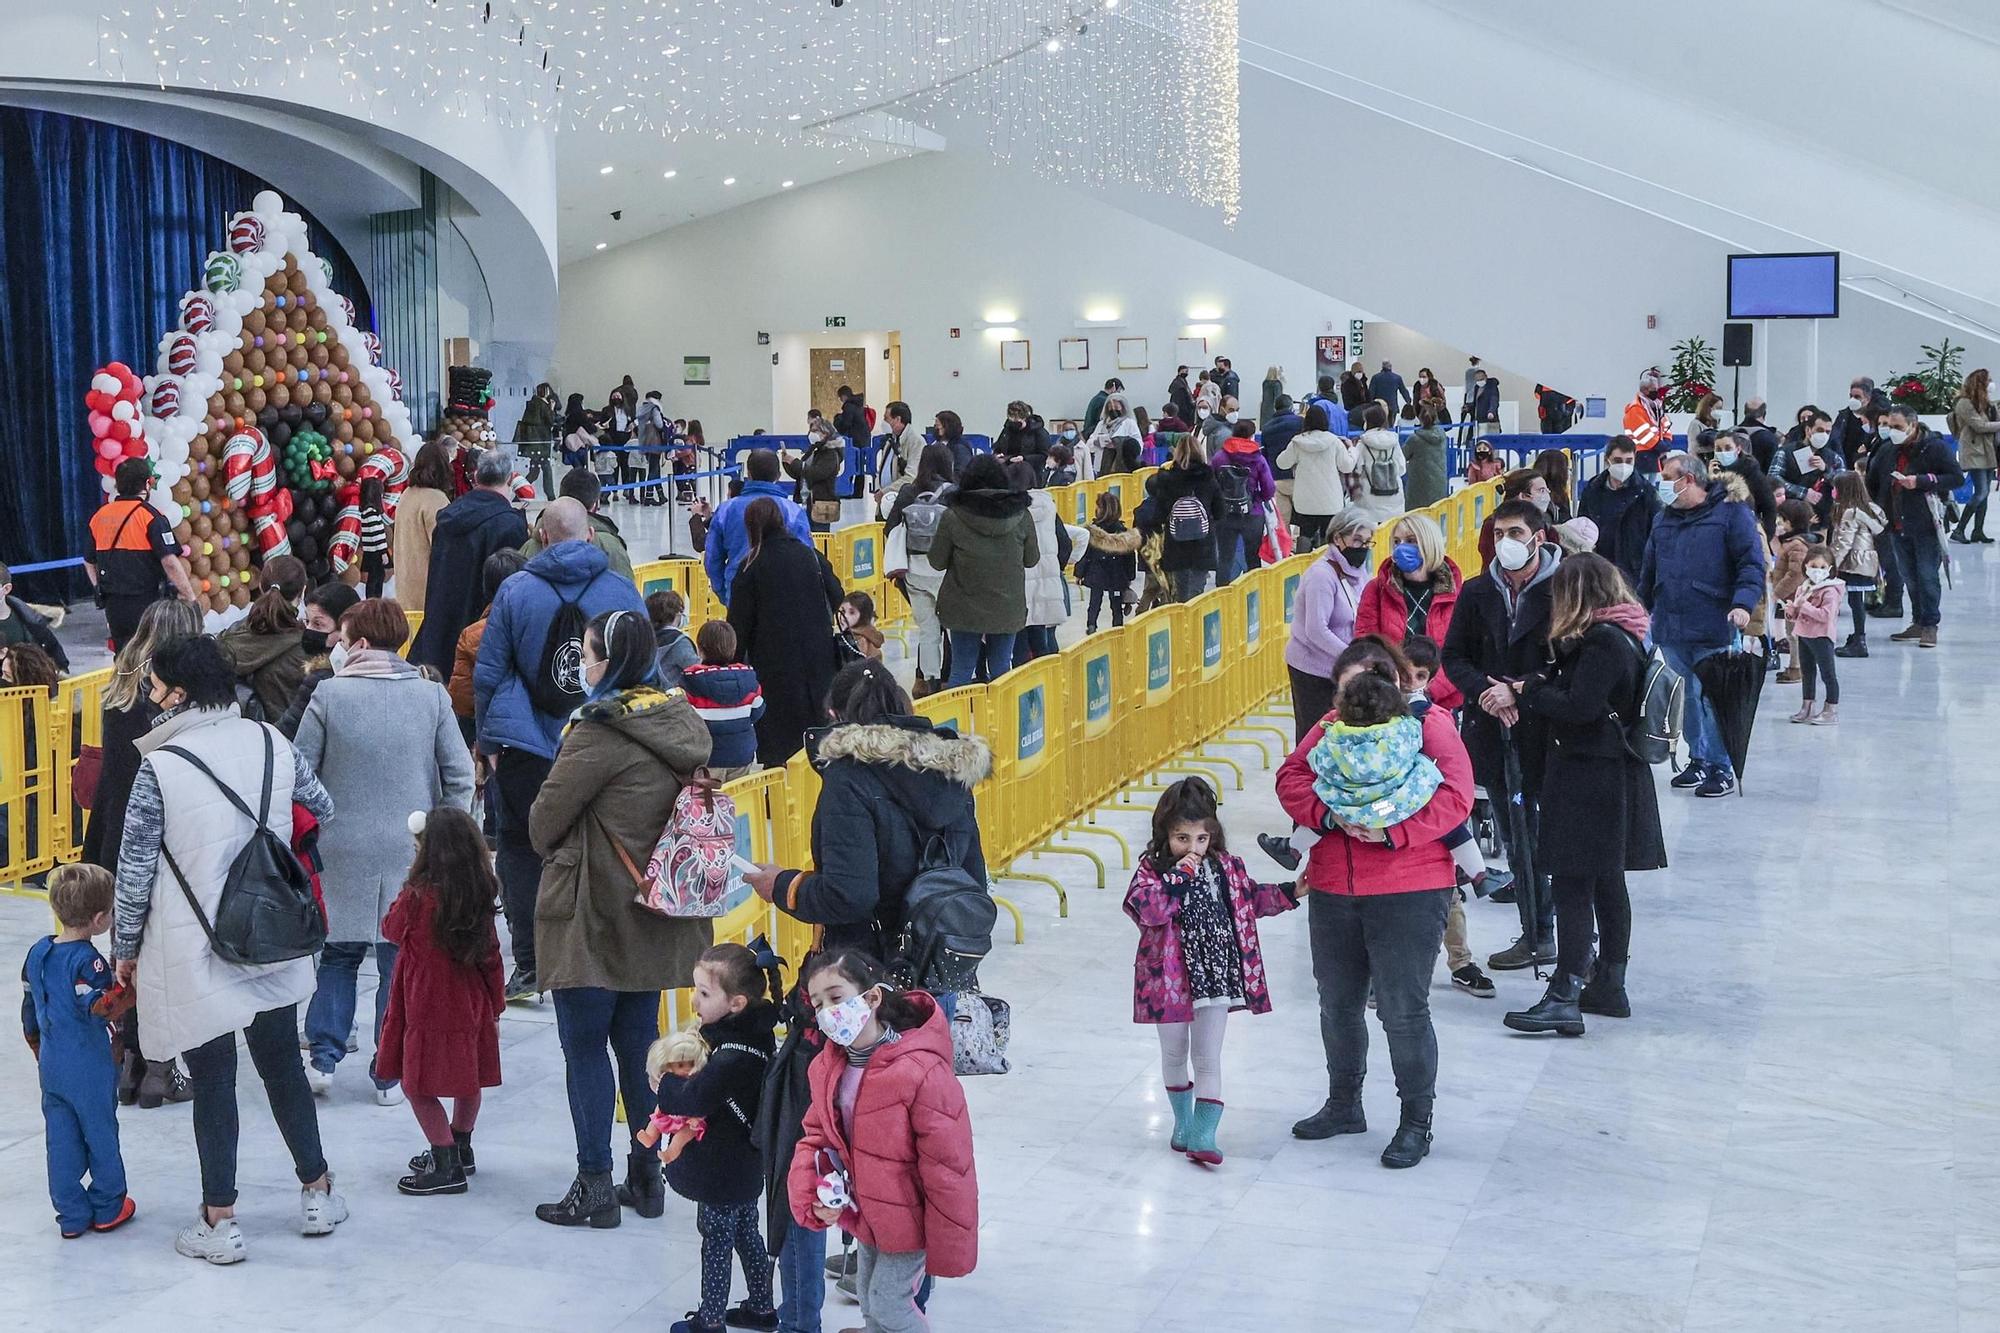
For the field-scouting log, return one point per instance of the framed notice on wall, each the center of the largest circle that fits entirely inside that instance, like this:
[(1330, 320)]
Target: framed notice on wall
[(1191, 352), (1074, 353), (1132, 354), (694, 370), (1014, 354)]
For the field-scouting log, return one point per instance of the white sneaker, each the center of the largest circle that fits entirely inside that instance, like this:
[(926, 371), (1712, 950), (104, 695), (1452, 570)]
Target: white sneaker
[(389, 1096), (221, 1243), (319, 1080), (354, 1037), (320, 1211)]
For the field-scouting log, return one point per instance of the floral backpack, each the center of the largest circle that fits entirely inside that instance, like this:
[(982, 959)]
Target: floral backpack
[(689, 873)]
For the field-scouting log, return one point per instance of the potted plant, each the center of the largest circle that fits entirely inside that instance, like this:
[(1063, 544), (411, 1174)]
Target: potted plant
[(1933, 386)]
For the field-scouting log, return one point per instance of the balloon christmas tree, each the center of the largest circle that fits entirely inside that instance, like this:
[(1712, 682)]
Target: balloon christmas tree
[(268, 409)]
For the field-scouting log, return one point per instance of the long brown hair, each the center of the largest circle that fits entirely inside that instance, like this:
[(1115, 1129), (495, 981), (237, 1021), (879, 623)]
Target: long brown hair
[(455, 869), (1975, 388), (1189, 801), (762, 521), (1584, 585), (276, 609), (1552, 465), (162, 622)]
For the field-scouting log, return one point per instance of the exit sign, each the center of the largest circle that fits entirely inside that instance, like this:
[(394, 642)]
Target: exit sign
[(836, 321)]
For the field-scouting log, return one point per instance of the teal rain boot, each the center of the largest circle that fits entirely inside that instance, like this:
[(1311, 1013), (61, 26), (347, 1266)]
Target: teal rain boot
[(1201, 1134), (1182, 1100)]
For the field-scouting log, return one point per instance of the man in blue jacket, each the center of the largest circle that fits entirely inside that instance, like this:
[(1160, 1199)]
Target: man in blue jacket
[(1285, 422), (728, 546), (1703, 576), (518, 739)]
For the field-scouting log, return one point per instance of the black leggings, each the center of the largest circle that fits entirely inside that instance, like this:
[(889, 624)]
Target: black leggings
[(1816, 658), (1312, 699), (1097, 596), (1857, 607), (1580, 899)]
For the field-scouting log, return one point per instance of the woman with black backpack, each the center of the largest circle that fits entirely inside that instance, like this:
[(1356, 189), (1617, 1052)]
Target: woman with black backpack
[(1244, 491), (917, 509), (892, 788), (1181, 504)]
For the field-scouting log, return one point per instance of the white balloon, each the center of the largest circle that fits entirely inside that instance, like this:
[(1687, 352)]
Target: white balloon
[(105, 382), (123, 410), (163, 500), (174, 451), (269, 204), (208, 366), (155, 430)]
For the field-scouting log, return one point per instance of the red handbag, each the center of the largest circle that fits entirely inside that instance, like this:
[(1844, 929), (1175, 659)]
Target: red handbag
[(84, 776)]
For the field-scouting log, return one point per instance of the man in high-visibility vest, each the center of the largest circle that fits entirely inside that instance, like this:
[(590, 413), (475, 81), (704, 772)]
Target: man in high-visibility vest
[(1646, 421), (133, 553)]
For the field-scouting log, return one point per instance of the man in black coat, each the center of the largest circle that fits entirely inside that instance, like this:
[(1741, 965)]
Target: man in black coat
[(1285, 423), (1733, 454), (1911, 465), (1855, 425), (1623, 505), (1025, 435), (1180, 396), (1763, 439), (21, 623), (469, 529), (1500, 633)]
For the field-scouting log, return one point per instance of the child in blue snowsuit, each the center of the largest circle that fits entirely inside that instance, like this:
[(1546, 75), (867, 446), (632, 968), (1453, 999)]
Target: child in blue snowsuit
[(65, 1013)]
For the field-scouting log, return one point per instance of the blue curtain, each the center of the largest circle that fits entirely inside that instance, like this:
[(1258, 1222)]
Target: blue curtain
[(102, 231)]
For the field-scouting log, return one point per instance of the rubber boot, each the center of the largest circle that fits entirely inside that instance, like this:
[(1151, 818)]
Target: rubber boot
[(1556, 1011), (443, 1174), (1604, 993), (589, 1203), (643, 1191), (1201, 1132), (1340, 1115), (1411, 1142), (1182, 1100)]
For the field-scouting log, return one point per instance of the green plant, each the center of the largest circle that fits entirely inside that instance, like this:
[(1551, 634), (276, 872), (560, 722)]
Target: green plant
[(1932, 387), (1692, 375)]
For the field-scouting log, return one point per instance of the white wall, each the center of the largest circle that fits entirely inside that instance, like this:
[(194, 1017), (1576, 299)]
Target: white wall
[(922, 246), (791, 377)]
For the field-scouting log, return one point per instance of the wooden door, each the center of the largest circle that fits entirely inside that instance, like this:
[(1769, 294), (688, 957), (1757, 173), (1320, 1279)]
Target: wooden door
[(833, 367)]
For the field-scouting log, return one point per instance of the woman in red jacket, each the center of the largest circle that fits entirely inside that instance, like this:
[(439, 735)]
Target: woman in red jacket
[(1377, 913), (1414, 592), (888, 1122)]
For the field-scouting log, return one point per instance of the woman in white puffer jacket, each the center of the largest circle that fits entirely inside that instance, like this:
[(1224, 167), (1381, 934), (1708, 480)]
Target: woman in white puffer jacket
[(1320, 462), (1048, 602)]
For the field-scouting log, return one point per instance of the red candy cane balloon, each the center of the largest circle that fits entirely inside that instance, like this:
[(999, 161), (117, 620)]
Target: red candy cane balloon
[(344, 548), (238, 461)]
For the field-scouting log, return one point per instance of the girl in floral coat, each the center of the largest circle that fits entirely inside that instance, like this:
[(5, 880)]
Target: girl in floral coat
[(1196, 908)]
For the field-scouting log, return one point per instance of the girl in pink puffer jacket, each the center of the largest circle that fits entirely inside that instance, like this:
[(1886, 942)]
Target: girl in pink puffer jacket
[(1812, 612)]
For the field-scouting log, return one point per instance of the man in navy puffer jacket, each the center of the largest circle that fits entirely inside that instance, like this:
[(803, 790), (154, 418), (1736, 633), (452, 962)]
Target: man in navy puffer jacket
[(728, 546)]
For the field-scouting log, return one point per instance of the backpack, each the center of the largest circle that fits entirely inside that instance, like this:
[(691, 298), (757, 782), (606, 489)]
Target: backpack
[(1232, 484), (1187, 521), (557, 685), (921, 517), (1383, 476), (689, 873), (948, 921), (267, 912), (1654, 732)]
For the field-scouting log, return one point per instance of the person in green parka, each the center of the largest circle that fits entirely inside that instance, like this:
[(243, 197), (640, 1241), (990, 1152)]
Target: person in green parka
[(985, 544)]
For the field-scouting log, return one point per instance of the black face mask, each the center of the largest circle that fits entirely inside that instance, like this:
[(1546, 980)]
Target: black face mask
[(314, 641), (1354, 555)]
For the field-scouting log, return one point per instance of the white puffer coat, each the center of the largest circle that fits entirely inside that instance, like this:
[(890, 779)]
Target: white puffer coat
[(1318, 460), (1045, 581)]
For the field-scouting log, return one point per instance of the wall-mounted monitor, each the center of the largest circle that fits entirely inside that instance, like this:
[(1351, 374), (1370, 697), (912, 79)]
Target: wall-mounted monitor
[(1796, 286)]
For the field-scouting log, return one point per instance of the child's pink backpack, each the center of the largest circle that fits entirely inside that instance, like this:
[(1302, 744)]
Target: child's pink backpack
[(689, 873)]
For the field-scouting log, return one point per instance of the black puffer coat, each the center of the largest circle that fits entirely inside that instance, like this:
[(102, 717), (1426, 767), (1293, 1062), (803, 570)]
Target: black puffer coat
[(1165, 488), (723, 1165)]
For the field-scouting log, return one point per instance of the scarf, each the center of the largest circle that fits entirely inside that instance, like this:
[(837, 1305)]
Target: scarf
[(617, 704), (1628, 616), (376, 664)]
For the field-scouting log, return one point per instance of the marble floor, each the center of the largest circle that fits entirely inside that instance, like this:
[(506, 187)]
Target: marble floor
[(1797, 1129)]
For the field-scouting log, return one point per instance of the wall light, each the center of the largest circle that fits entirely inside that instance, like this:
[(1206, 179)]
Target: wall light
[(669, 175), (602, 244), (729, 180), (1204, 314), (786, 185), (606, 170), (1001, 331), (1001, 315), (1103, 314)]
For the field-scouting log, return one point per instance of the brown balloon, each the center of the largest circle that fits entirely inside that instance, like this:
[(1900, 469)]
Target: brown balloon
[(364, 430), (233, 405), (323, 392), (298, 282), (344, 431), (255, 400), (204, 527), (254, 322), (198, 448), (197, 487), (232, 364), (343, 394), (183, 532), (278, 319), (344, 465), (199, 564), (337, 354), (277, 284), (298, 356), (253, 361), (239, 555), (278, 395)]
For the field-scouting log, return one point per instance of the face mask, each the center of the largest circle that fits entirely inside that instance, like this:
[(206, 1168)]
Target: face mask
[(1667, 491), (1354, 555), (1726, 457), (843, 1022), (1620, 472), (1512, 552), (313, 641), (1540, 502), (1855, 403), (1407, 556), (1201, 414), (338, 657), (1819, 439), (1894, 436), (1069, 436), (1231, 417), (1484, 455), (1816, 576)]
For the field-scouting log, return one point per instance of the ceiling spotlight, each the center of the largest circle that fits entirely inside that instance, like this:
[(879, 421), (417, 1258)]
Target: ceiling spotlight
[(602, 244), (729, 180), (669, 175), (605, 171), (616, 109), (786, 185), (1055, 44), (794, 116), (1111, 4)]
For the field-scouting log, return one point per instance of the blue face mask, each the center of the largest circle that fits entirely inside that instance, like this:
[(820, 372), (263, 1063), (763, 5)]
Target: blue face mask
[(1407, 557), (1666, 491)]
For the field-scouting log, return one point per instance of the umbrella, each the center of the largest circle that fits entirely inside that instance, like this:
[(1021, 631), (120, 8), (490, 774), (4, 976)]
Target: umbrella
[(1520, 837), (1731, 681)]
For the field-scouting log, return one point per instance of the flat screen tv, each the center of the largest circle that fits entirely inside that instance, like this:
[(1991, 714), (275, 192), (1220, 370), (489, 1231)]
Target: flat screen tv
[(1799, 286)]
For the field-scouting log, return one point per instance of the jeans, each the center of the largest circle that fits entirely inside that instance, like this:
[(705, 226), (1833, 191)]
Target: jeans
[(1816, 659), (985, 657), (1892, 569), (1035, 641), (1238, 550), (273, 1041), (587, 1017), (516, 782), (330, 1015), (1188, 584), (1097, 599), (801, 1279), (1704, 737), (1587, 906), (1391, 939), (1974, 512), (1917, 551)]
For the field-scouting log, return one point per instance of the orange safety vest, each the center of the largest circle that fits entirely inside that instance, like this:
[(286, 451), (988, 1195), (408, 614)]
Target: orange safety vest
[(122, 525), (1646, 430)]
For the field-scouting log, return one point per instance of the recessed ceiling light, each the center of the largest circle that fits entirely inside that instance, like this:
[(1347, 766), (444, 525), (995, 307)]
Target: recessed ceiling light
[(786, 185), (605, 171), (729, 180), (794, 116), (616, 109), (671, 174), (602, 244), (1055, 44), (1111, 4)]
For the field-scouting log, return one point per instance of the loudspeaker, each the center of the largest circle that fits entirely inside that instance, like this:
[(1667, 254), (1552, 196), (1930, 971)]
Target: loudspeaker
[(1736, 343)]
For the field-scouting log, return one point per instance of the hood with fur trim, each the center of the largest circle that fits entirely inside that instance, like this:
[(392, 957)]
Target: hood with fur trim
[(911, 743), (1123, 542)]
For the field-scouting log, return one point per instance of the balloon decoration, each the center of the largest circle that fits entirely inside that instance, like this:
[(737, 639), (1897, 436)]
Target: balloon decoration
[(267, 405)]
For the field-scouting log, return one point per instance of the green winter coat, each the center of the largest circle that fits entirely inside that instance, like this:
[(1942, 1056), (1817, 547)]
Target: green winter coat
[(985, 544), (1425, 483)]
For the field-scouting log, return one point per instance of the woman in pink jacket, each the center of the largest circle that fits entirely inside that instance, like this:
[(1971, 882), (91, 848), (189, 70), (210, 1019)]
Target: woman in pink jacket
[(1377, 913), (887, 1150)]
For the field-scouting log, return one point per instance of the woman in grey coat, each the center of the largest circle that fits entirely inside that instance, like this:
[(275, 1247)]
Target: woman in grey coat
[(385, 740)]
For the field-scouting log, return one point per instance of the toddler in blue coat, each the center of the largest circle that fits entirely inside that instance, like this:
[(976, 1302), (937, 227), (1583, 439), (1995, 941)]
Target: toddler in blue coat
[(66, 1012)]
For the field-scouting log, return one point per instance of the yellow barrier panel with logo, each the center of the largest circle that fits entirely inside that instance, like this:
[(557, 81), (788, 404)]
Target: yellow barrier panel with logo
[(30, 831)]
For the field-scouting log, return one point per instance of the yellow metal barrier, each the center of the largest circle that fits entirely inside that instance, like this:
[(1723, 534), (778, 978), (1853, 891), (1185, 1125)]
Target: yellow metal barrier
[(33, 831), (76, 720)]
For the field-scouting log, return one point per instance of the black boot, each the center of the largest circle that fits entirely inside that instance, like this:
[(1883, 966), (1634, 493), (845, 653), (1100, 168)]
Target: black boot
[(1886, 610), (589, 1203), (163, 1082), (1340, 1115), (1412, 1140), (1604, 993), (1556, 1011), (441, 1173), (1856, 646), (643, 1191), (1279, 850), (463, 1142), (130, 1071)]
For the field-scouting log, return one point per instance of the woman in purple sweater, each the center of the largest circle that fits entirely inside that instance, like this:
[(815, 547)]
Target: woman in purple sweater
[(1323, 616)]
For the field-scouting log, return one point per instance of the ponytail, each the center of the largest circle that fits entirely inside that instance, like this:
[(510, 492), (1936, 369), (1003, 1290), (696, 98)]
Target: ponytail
[(276, 609)]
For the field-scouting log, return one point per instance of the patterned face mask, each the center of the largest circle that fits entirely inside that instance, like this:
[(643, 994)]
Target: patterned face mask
[(843, 1022)]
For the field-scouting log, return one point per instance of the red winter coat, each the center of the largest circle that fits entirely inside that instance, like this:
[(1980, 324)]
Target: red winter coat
[(1414, 859), (1384, 610), (910, 1163), (441, 1036), (1159, 974)]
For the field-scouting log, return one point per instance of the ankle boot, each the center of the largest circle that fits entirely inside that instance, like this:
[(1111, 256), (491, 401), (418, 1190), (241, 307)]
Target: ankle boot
[(590, 1202), (1182, 1100), (1856, 646), (130, 1071), (463, 1142), (1411, 1142), (1604, 993), (1340, 1115), (163, 1082), (1556, 1011), (643, 1191), (1201, 1132), (443, 1173)]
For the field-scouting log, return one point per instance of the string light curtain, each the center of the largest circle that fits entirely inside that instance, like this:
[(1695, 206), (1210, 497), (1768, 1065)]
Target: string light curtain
[(1133, 93)]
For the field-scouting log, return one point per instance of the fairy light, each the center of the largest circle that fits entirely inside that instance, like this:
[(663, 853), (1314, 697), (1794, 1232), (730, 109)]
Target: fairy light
[(1113, 93)]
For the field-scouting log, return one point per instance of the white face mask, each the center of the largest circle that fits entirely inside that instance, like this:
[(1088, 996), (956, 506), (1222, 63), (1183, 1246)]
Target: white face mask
[(1726, 457), (1816, 575), (1231, 417), (843, 1022), (1855, 404), (1512, 553), (1894, 436), (1620, 472), (1540, 502), (337, 658), (1819, 439)]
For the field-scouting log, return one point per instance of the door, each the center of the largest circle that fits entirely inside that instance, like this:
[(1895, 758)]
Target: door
[(833, 367)]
